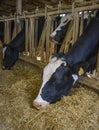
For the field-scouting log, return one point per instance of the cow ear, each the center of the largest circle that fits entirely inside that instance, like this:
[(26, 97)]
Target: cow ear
[(64, 64)]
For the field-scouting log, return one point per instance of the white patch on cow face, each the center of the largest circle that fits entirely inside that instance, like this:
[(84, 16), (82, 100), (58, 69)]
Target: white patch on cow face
[(51, 68), (75, 77), (86, 16), (62, 23), (48, 71), (3, 51), (39, 102)]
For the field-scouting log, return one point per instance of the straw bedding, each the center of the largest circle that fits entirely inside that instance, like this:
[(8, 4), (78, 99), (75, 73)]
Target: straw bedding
[(19, 86)]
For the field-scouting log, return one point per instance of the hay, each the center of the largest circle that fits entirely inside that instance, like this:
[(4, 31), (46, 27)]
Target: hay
[(20, 86)]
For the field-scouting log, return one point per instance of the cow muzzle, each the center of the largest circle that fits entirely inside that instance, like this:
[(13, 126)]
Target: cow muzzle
[(39, 105), (54, 41)]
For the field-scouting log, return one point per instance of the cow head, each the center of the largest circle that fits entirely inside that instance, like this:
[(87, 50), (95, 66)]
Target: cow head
[(58, 35), (57, 81), (9, 57)]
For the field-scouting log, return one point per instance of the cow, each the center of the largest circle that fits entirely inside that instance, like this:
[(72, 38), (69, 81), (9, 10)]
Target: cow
[(12, 50), (61, 73), (59, 33)]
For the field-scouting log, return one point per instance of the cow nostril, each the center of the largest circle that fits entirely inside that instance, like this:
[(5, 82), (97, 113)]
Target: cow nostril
[(53, 40), (37, 105)]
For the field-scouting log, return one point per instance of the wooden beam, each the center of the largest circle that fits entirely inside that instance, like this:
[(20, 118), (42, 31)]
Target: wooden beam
[(54, 11), (48, 31), (32, 61), (44, 2), (7, 13), (40, 49), (89, 82), (7, 3)]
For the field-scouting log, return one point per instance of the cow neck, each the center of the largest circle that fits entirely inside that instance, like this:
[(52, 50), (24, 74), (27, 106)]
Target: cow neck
[(74, 69)]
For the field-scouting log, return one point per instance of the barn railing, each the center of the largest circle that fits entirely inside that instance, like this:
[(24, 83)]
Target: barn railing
[(79, 6), (38, 52)]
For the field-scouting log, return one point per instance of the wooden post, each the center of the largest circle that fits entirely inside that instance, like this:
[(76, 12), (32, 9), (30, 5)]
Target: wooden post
[(40, 48), (32, 35), (27, 36), (48, 31), (36, 33), (73, 15), (81, 24), (31, 38), (52, 45), (77, 26), (69, 34), (8, 31), (15, 30), (74, 28), (19, 12), (19, 6)]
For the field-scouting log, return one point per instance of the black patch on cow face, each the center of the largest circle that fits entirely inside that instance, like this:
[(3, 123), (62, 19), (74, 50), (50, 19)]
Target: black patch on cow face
[(58, 85), (65, 21), (10, 57)]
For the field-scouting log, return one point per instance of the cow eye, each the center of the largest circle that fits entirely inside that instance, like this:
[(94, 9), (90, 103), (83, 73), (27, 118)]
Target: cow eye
[(63, 64)]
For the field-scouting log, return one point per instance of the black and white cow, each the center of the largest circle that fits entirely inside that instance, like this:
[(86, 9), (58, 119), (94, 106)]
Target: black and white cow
[(61, 73), (59, 33), (12, 50)]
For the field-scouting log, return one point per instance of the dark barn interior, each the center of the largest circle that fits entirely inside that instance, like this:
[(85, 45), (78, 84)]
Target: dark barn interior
[(34, 22)]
